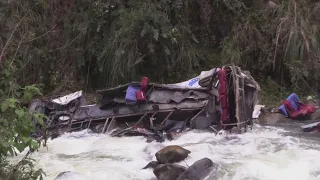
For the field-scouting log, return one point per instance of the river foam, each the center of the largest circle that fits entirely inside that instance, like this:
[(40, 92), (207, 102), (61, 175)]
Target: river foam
[(263, 153)]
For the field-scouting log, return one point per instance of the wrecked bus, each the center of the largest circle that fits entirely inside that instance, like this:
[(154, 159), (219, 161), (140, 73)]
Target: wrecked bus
[(221, 98)]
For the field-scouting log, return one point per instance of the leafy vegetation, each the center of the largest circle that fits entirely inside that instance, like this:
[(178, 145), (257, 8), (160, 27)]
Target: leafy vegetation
[(281, 42), (101, 43), (16, 126)]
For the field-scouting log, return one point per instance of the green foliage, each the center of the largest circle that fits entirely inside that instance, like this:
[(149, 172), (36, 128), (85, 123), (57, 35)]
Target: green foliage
[(147, 39), (17, 124), (68, 44), (102, 42), (282, 43), (24, 170)]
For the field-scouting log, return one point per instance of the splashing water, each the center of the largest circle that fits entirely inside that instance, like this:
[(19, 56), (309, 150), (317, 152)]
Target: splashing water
[(263, 153)]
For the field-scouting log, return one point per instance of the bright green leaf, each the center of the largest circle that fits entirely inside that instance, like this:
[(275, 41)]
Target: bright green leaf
[(20, 146), (34, 144), (27, 96), (39, 118), (26, 139), (19, 112), (4, 106), (40, 121)]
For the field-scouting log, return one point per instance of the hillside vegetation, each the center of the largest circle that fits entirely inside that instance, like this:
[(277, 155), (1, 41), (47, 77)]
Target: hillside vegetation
[(101, 43)]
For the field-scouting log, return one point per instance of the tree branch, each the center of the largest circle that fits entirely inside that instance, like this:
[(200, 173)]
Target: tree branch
[(8, 41), (41, 35)]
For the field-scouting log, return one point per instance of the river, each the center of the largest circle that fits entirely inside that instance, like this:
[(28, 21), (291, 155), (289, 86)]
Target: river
[(263, 153)]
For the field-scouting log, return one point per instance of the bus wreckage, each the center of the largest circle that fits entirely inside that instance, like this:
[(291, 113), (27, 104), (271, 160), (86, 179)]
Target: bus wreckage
[(221, 98)]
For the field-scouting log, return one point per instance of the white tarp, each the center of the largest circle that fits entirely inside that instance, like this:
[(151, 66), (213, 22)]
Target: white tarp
[(257, 111), (194, 82), (68, 98)]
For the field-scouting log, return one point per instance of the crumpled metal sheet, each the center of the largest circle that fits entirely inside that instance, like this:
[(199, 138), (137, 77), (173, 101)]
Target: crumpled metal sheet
[(165, 96), (246, 94), (126, 110)]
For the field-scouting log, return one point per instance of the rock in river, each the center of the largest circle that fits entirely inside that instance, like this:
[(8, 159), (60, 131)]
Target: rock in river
[(152, 164), (171, 154), (268, 118), (168, 171), (69, 175), (198, 170)]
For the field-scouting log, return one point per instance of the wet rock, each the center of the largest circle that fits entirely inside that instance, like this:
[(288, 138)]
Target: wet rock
[(198, 170), (150, 139), (171, 154), (62, 174), (69, 175), (315, 115), (168, 171), (54, 136), (152, 164), (267, 117), (156, 138)]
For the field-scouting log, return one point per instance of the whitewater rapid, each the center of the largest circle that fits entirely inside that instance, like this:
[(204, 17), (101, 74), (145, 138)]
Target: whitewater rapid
[(264, 153)]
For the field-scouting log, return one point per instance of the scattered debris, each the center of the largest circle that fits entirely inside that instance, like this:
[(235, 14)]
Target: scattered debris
[(314, 126), (257, 111), (291, 109)]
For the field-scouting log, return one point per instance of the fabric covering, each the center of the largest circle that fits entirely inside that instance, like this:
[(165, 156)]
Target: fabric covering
[(292, 104), (292, 107)]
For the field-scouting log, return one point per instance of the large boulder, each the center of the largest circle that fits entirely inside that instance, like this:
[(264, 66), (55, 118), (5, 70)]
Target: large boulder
[(168, 171), (269, 118), (198, 170), (171, 154)]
